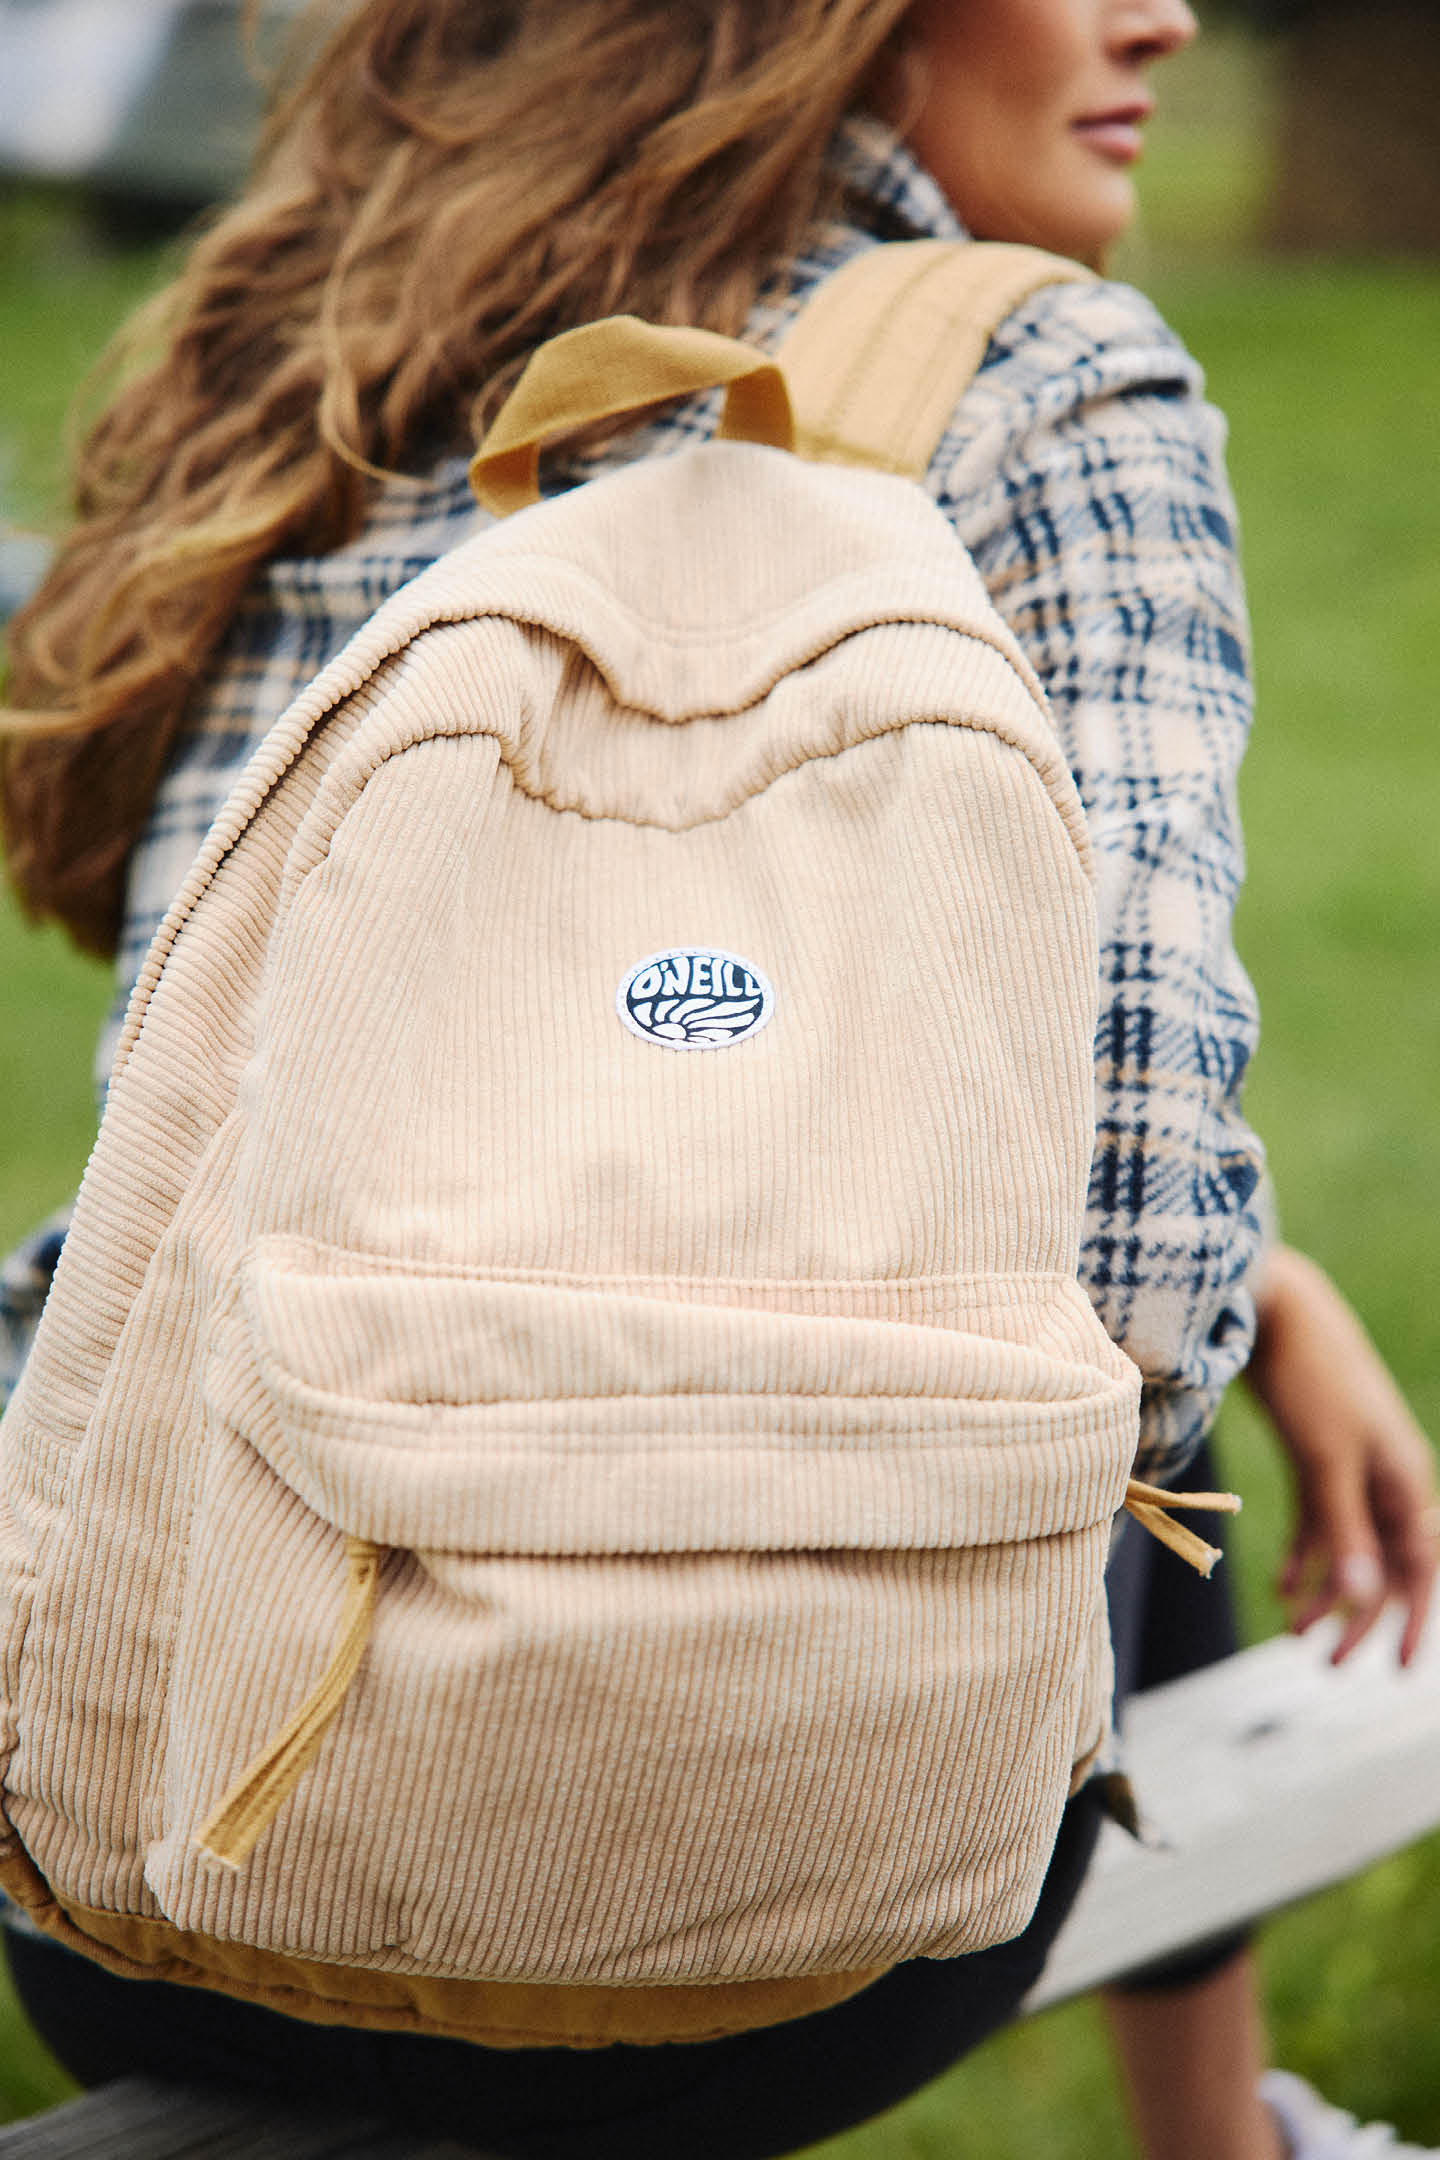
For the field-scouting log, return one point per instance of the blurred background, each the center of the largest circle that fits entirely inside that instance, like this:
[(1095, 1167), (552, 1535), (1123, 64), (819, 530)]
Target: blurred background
[(1292, 235)]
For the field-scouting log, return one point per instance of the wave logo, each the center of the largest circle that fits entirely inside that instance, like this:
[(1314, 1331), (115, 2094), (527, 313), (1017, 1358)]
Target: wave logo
[(694, 997)]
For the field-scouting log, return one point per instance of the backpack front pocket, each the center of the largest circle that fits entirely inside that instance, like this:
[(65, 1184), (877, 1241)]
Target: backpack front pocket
[(710, 1642)]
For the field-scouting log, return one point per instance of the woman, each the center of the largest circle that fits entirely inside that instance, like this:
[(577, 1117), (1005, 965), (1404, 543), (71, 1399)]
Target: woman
[(450, 185)]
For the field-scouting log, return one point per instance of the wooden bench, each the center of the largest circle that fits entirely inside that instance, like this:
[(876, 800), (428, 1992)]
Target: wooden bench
[(1261, 1779), (141, 2119)]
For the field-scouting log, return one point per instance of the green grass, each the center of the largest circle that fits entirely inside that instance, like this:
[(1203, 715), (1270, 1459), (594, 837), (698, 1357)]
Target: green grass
[(30, 2078), (50, 1008), (1335, 444), (1327, 376), (61, 295), (64, 293)]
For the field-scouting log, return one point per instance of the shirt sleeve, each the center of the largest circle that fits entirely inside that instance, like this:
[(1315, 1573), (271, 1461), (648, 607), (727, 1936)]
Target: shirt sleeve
[(1085, 473), (25, 1278)]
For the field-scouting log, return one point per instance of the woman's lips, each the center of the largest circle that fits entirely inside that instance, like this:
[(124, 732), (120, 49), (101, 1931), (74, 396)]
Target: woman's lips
[(1118, 135)]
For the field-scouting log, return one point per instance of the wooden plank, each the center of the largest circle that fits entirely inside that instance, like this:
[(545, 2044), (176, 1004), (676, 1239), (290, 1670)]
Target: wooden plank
[(142, 2119), (1260, 1780)]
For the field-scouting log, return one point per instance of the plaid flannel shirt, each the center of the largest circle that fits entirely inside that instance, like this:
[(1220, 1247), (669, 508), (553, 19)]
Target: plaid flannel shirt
[(1085, 474)]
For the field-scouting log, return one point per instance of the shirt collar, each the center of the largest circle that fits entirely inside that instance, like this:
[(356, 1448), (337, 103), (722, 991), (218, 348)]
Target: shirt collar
[(882, 176)]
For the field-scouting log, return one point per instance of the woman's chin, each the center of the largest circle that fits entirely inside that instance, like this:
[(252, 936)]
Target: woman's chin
[(1092, 214)]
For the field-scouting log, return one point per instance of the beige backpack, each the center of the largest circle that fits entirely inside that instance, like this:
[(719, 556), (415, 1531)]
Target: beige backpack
[(563, 1488)]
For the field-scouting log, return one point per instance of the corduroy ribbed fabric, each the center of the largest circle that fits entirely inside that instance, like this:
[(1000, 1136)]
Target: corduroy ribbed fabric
[(740, 1445)]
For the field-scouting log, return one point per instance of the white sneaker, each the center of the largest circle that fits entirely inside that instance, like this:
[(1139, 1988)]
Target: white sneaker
[(1316, 2131)]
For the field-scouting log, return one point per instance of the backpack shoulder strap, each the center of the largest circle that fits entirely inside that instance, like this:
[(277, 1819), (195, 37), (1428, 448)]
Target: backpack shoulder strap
[(878, 360)]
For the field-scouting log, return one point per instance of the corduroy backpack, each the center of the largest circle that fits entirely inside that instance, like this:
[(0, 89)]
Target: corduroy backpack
[(563, 1487)]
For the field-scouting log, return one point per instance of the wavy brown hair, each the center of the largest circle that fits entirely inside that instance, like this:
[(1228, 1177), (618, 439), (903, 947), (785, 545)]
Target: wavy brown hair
[(451, 182)]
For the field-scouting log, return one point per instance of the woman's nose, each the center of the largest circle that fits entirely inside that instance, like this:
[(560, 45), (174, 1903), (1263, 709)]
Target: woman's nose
[(1144, 30)]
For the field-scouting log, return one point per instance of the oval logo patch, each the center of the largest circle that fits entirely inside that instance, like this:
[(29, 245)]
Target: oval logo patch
[(694, 997)]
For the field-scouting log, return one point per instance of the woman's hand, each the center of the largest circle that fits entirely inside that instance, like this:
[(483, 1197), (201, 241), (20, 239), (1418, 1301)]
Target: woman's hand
[(1367, 1521)]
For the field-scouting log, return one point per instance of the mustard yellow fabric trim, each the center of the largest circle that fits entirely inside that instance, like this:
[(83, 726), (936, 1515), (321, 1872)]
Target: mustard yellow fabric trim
[(1151, 1507), (620, 365), (263, 1787), (492, 2013), (878, 360)]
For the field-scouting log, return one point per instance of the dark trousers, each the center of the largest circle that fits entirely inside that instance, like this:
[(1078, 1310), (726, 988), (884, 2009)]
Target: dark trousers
[(743, 2098)]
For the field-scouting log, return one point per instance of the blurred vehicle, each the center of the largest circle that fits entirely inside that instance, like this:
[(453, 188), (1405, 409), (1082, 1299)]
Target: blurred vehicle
[(142, 100)]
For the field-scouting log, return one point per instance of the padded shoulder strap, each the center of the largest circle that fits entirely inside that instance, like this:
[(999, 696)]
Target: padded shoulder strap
[(877, 362)]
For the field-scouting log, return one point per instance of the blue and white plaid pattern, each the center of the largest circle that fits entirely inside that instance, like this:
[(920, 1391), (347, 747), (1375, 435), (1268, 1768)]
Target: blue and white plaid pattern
[(1084, 472)]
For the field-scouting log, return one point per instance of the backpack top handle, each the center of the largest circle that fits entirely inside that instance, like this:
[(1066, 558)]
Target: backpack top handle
[(873, 367), (620, 365)]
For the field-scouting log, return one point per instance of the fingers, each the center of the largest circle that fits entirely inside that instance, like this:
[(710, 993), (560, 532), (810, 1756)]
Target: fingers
[(1416, 1556), (1351, 1583), (1417, 1612), (1338, 1561), (1365, 1539), (1362, 1598), (1368, 1527)]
